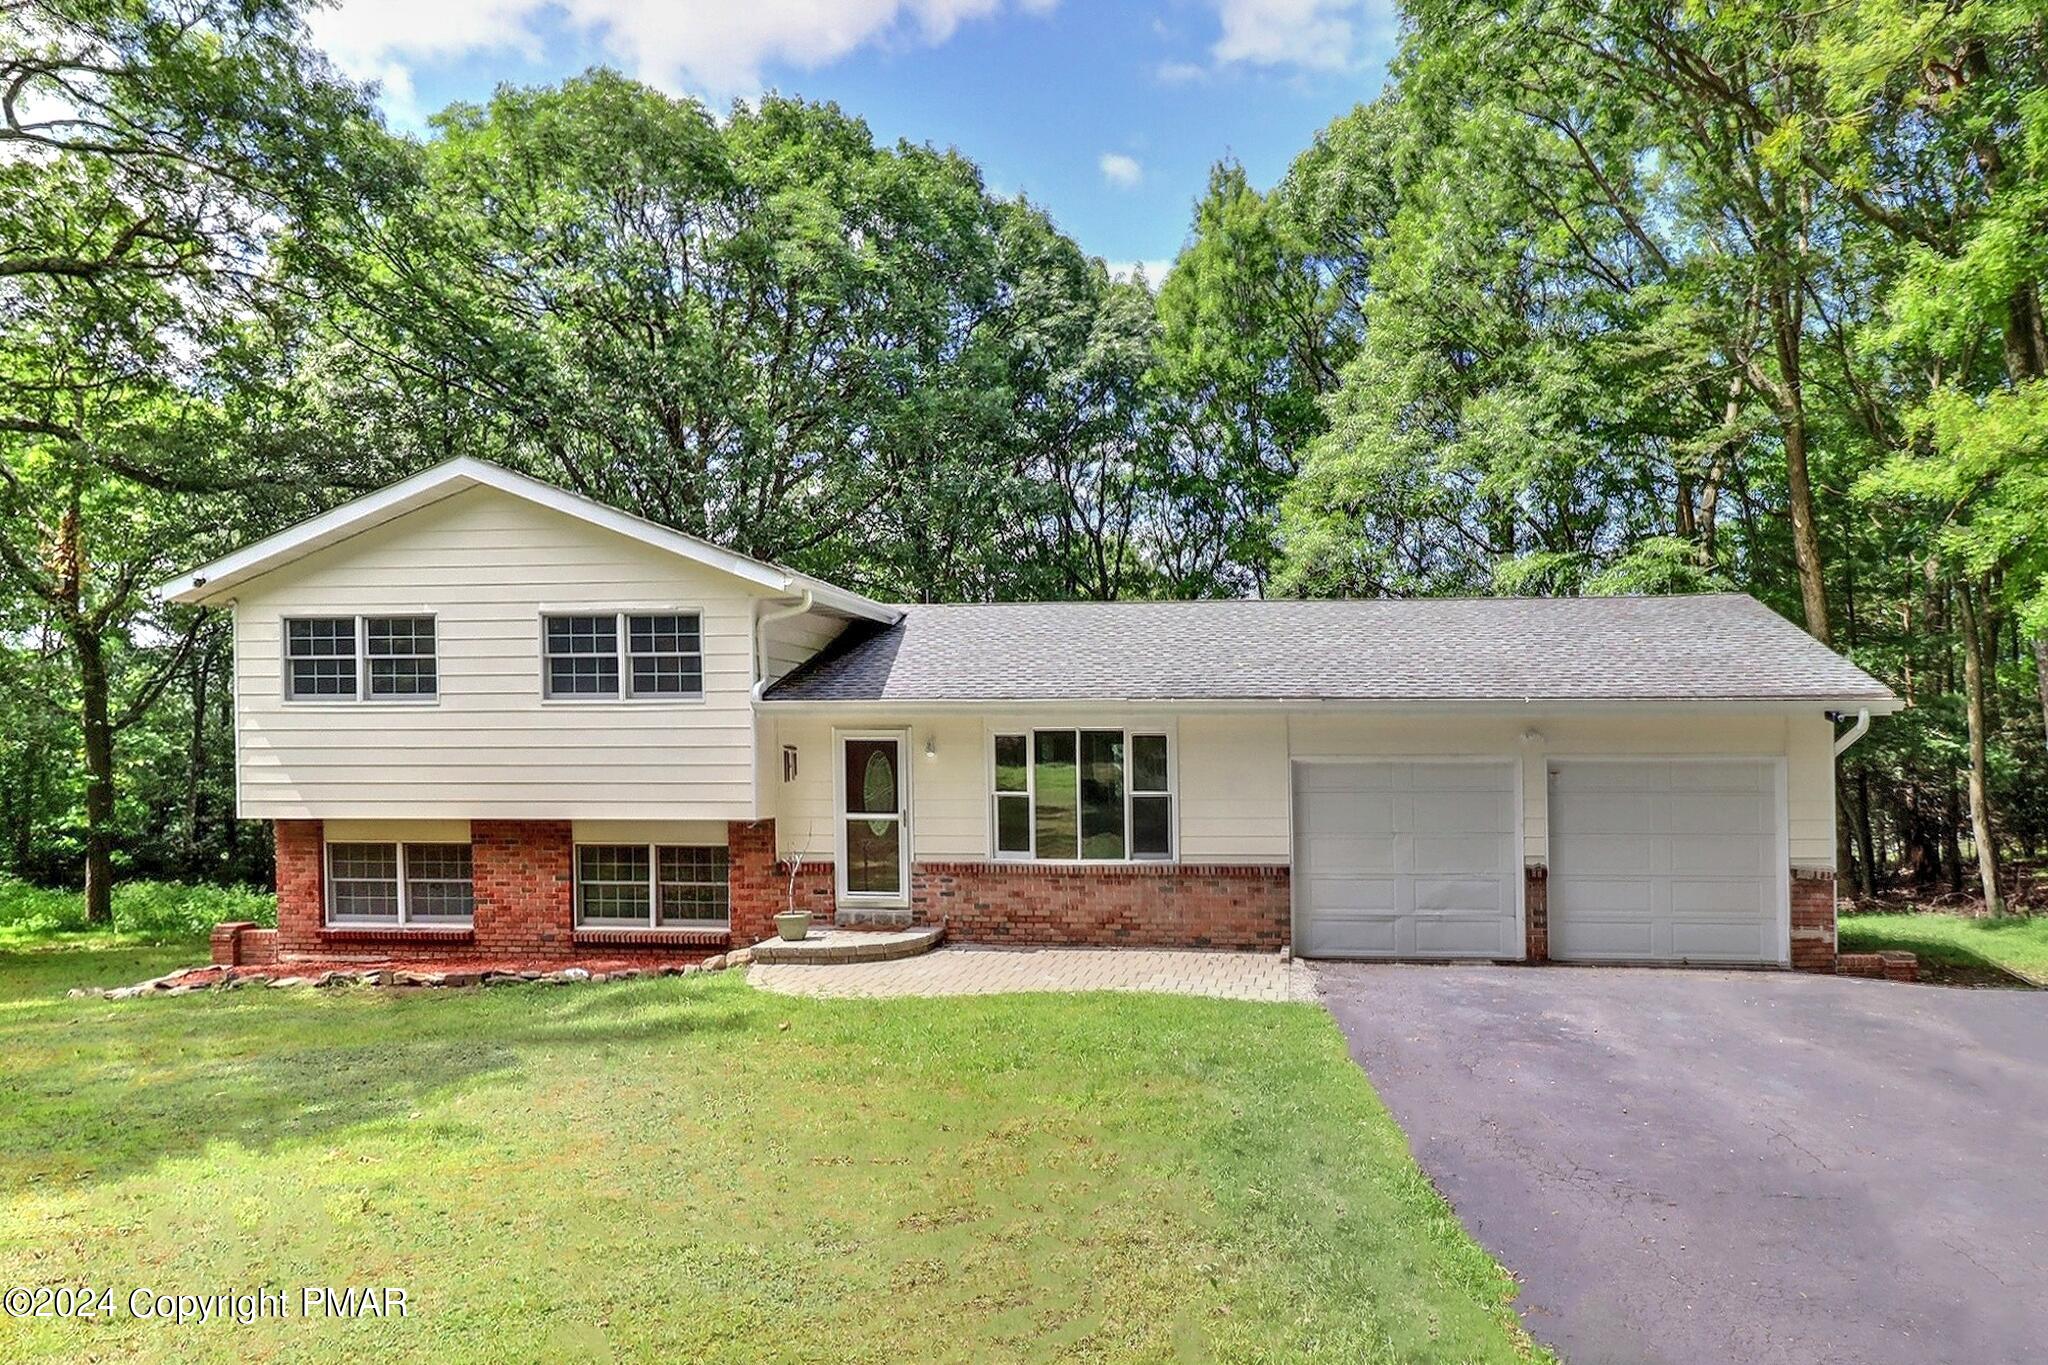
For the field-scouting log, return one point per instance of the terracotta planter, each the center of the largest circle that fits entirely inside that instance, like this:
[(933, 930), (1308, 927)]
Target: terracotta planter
[(793, 925)]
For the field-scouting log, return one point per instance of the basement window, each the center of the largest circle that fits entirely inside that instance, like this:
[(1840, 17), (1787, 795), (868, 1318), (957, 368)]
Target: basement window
[(397, 884), (652, 886)]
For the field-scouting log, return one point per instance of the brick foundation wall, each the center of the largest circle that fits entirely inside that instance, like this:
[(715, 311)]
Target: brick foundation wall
[(1151, 905), (524, 882), (300, 888), (525, 887), (1536, 911), (1813, 919)]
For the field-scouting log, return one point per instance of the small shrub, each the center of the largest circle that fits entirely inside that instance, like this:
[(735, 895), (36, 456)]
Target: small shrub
[(153, 908)]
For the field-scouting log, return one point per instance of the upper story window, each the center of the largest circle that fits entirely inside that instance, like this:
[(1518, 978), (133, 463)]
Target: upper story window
[(1082, 795), (636, 655), (348, 658)]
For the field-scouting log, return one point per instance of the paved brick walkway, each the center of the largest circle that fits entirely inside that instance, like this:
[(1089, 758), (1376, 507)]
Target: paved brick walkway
[(996, 971)]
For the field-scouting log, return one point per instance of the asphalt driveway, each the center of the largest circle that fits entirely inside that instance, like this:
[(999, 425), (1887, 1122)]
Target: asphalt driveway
[(1730, 1166)]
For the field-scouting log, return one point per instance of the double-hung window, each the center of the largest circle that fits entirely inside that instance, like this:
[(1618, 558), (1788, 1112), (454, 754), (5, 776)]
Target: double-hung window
[(396, 884), (1082, 795), (609, 655), (351, 658), (651, 886)]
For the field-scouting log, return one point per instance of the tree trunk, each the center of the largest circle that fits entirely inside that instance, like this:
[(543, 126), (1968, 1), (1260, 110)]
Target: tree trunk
[(1980, 793), (195, 761), (2041, 674), (99, 776), (1791, 396), (1864, 837)]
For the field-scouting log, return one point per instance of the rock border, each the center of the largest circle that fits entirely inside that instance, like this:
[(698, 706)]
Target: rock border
[(189, 980)]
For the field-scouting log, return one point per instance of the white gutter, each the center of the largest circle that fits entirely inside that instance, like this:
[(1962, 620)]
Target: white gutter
[(1855, 732), (761, 638)]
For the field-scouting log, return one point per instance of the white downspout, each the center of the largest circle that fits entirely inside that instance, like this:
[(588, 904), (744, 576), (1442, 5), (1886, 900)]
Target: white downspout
[(783, 614), (1853, 733)]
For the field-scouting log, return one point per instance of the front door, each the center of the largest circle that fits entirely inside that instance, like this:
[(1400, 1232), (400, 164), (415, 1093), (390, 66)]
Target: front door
[(874, 844)]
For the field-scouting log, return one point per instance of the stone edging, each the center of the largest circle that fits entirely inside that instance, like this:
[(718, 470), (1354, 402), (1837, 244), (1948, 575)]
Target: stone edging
[(283, 977)]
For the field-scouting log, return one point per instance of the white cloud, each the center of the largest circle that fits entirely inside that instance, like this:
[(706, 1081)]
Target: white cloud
[(1154, 271), (1120, 170), (716, 48), (1318, 35), (1179, 73)]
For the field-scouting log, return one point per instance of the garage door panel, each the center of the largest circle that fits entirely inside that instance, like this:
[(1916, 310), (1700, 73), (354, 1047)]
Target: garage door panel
[(1706, 854), (1332, 853), (1351, 777), (1472, 936), (1461, 811), (1592, 940), (1401, 859), (1341, 812), (1353, 895), (1609, 813), (1459, 895), (1719, 896), (1666, 860), (1434, 854), (1354, 937), (1745, 812), (1605, 855), (1719, 941)]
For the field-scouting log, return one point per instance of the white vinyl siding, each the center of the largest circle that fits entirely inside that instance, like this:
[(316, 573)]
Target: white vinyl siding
[(487, 567), (1231, 769), (793, 639)]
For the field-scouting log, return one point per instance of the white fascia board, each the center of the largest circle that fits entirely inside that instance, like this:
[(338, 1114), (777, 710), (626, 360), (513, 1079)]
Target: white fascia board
[(1793, 706), (455, 476)]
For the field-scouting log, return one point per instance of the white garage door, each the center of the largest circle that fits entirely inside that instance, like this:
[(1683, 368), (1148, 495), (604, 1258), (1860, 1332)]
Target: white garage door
[(1675, 861), (1406, 860)]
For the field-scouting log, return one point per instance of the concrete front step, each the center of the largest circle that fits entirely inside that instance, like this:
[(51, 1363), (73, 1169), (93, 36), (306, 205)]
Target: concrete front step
[(851, 945)]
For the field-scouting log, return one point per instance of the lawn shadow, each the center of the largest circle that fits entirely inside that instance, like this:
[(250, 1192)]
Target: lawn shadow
[(100, 1091)]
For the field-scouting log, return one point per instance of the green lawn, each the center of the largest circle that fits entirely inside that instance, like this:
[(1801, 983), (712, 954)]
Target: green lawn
[(2016, 943), (689, 1168)]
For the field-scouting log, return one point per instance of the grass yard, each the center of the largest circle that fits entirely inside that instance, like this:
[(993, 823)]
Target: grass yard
[(2017, 943), (690, 1168)]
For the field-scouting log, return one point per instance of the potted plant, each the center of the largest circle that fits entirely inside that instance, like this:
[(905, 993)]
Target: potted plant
[(792, 925)]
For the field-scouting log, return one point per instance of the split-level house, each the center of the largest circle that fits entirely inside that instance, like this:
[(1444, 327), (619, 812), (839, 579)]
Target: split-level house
[(491, 719)]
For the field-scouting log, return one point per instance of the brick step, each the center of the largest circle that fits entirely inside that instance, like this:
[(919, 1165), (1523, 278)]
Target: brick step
[(851, 945)]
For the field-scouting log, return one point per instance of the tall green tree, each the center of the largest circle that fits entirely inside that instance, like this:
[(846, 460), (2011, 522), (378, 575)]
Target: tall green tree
[(148, 153)]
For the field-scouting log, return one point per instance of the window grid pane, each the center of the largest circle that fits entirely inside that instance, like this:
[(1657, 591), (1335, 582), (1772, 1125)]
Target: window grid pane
[(326, 637), (582, 676), (693, 885), (362, 881), (322, 654), (323, 677), (667, 655), (611, 884), (402, 678)]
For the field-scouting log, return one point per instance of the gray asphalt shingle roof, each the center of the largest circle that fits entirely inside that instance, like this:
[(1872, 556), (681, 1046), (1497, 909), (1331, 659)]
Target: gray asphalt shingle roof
[(1701, 648)]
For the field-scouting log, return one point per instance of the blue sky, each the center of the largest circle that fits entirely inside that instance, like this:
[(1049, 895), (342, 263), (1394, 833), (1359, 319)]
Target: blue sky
[(1107, 114)]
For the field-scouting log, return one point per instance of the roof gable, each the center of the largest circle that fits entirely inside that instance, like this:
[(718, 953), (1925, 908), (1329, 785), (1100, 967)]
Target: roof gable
[(459, 475)]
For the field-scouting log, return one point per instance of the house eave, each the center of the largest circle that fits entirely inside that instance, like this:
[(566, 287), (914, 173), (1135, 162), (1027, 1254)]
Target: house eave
[(1473, 706)]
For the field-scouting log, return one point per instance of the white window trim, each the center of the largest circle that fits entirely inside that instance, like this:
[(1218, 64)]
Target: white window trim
[(362, 659), (653, 924), (880, 900), (405, 919), (624, 656), (1030, 730)]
